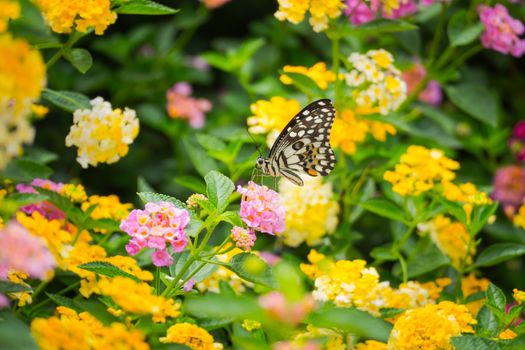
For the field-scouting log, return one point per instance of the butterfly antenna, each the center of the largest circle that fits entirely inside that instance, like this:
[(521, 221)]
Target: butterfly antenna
[(257, 146)]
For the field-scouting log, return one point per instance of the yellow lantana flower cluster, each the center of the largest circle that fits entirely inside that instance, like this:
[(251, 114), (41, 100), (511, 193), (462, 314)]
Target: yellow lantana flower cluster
[(107, 207), (212, 282), (193, 336), (137, 298), (320, 11), (318, 73), (10, 10), (518, 295), (377, 83), (65, 15), (102, 134), (431, 327), (470, 285), (333, 340), (75, 193), (371, 345), (72, 330), (451, 237), (311, 211), (270, 117), (419, 169), (22, 78)]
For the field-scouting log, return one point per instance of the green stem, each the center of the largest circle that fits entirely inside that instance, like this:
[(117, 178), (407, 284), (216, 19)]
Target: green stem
[(40, 288), (440, 30), (73, 38)]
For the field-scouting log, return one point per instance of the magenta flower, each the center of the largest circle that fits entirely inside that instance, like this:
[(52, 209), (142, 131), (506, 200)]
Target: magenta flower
[(406, 8), (181, 105), (243, 238), (359, 11), (261, 209), (501, 30), (21, 251), (509, 188), (159, 226), (45, 208), (517, 141)]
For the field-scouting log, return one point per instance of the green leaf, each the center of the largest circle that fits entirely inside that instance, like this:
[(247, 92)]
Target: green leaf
[(26, 198), (204, 269), (145, 7), (381, 25), (218, 188), (460, 32), (80, 59), (251, 268), (199, 157), (10, 287), (210, 142), (487, 323), (191, 182), (476, 100), (304, 83), (67, 302), (498, 253), (351, 320), (143, 185), (24, 170), (471, 342), (385, 208), (244, 52), (218, 61), (496, 297), (232, 218), (425, 261), (67, 100), (39, 155), (383, 253), (15, 334), (106, 269), (152, 197), (218, 306)]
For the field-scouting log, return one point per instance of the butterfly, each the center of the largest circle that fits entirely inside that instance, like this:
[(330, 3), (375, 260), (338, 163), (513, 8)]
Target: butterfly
[(303, 146)]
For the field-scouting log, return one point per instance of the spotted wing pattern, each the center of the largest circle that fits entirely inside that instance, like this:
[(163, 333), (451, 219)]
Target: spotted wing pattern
[(304, 144)]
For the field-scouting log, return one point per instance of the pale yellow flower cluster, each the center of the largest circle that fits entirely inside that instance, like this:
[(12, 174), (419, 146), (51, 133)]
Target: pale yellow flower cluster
[(102, 134), (377, 83), (311, 211), (321, 11), (22, 78), (65, 15)]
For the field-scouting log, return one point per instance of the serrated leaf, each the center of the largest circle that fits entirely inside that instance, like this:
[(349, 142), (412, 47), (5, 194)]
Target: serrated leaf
[(218, 188), (460, 31), (251, 268), (152, 197), (498, 253), (80, 59), (353, 321), (496, 297), (476, 100), (67, 100), (385, 208), (10, 287), (487, 322), (24, 170), (67, 302), (145, 7), (106, 269), (471, 342), (426, 261)]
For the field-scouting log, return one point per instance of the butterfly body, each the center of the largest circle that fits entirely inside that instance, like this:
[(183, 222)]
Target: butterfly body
[(303, 147)]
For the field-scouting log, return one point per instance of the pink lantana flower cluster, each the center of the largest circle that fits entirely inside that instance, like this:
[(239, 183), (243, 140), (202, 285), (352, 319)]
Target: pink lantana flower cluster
[(45, 208), (517, 141), (243, 238), (180, 104), (361, 11), (501, 30), (158, 226), (21, 251), (261, 209), (432, 94)]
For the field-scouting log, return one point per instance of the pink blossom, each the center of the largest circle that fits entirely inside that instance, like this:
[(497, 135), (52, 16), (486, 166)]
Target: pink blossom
[(4, 302), (243, 238), (161, 258), (270, 258), (432, 94), (276, 305), (517, 141), (501, 30), (24, 252), (359, 11), (157, 226), (45, 208), (406, 8), (189, 285), (181, 105), (509, 187), (261, 209)]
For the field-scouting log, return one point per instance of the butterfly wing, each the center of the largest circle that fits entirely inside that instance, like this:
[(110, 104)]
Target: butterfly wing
[(304, 144)]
